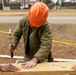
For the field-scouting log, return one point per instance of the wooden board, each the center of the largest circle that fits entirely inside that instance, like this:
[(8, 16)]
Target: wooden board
[(52, 68)]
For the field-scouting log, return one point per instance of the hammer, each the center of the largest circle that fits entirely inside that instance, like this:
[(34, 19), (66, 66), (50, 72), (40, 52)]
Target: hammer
[(10, 32)]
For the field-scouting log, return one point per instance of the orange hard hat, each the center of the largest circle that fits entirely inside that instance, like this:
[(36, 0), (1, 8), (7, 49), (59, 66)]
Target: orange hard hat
[(38, 14)]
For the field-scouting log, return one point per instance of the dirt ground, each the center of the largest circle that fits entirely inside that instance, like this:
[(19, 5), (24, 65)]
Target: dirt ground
[(64, 32)]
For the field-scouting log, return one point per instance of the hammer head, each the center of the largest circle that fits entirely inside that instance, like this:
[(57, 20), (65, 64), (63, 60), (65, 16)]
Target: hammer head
[(10, 31)]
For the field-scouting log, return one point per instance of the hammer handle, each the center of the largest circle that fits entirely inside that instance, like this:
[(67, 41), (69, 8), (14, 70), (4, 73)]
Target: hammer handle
[(11, 42), (11, 54)]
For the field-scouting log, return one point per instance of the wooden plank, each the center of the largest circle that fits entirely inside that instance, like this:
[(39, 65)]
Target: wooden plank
[(52, 68), (64, 60), (0, 73), (8, 56), (55, 59), (31, 73)]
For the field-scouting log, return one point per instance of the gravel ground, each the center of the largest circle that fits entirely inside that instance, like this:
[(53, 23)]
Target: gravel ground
[(64, 33)]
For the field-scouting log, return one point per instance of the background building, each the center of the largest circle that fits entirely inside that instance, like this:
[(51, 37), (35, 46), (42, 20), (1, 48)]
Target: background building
[(25, 4)]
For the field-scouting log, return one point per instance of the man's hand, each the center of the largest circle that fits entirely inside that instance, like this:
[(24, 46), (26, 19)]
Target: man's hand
[(74, 67), (9, 67), (30, 64), (11, 48)]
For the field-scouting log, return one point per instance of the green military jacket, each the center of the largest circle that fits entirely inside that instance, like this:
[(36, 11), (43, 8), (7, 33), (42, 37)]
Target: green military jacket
[(40, 39)]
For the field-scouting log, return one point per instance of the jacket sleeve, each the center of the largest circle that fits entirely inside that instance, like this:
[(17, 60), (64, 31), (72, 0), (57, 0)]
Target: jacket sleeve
[(17, 34), (46, 43)]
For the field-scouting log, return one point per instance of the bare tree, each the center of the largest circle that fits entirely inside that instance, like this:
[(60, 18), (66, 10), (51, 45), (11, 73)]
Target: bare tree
[(2, 4), (7, 1), (40, 0), (57, 4), (62, 1), (73, 1), (47, 1)]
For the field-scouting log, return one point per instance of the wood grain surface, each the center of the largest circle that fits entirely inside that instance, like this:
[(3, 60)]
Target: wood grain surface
[(52, 68)]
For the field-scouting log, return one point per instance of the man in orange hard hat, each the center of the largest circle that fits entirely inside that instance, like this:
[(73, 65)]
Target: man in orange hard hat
[(37, 35)]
